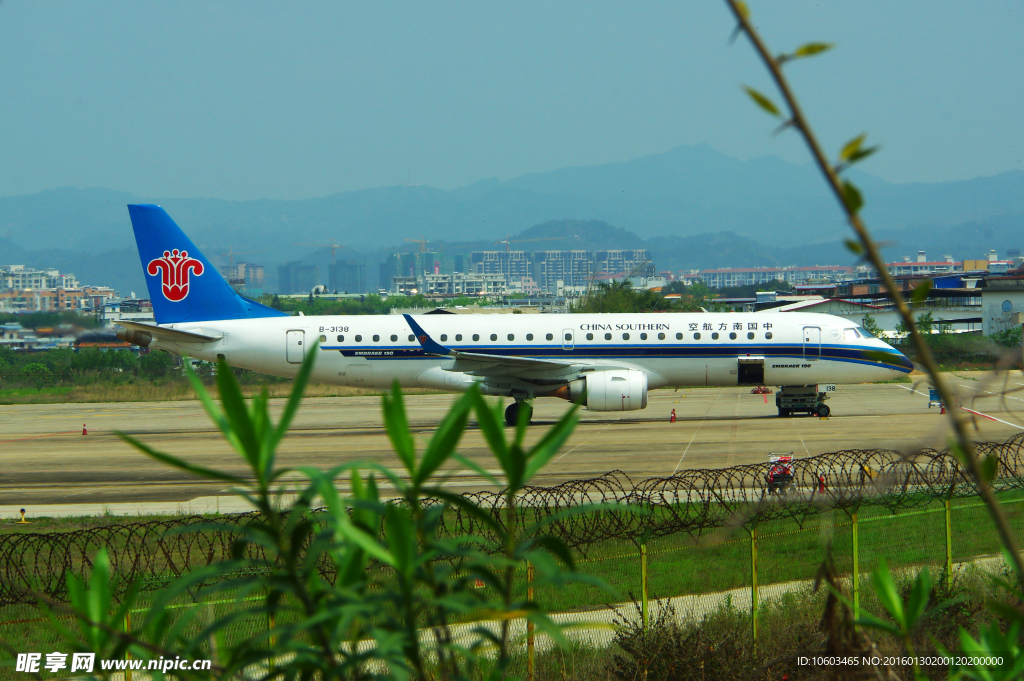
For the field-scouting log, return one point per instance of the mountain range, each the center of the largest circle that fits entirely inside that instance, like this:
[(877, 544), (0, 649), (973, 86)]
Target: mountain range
[(692, 206)]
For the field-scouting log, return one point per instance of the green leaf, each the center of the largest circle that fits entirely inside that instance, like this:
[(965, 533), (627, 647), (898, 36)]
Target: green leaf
[(209, 405), (888, 594), (490, 426), (861, 154), (401, 539), (762, 101), (398, 428), (237, 415), (445, 438), (918, 600), (557, 548), (550, 443), (853, 246), (920, 293), (477, 468), (295, 397), (989, 466), (482, 516), (852, 197), (851, 147), (180, 464), (811, 49)]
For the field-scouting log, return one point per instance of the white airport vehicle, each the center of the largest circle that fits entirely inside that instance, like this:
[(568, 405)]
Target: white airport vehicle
[(607, 362)]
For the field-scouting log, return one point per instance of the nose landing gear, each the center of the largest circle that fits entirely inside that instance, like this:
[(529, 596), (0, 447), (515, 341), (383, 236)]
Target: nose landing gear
[(512, 412)]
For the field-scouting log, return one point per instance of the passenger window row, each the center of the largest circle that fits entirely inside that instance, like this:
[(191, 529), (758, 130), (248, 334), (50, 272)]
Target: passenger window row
[(511, 337)]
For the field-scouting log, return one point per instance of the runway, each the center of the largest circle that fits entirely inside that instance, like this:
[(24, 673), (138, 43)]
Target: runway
[(48, 462)]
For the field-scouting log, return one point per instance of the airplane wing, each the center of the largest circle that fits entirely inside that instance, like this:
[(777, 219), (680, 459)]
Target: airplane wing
[(482, 364), (140, 331)]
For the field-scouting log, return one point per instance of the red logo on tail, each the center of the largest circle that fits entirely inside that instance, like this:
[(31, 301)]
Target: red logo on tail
[(174, 269)]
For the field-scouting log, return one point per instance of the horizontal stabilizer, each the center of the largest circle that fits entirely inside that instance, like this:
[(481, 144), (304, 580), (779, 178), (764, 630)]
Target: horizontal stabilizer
[(140, 334)]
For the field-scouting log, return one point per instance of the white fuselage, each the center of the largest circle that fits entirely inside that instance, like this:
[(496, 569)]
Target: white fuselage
[(679, 349)]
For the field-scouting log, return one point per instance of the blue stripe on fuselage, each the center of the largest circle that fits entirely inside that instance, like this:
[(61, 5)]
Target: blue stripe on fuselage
[(852, 354)]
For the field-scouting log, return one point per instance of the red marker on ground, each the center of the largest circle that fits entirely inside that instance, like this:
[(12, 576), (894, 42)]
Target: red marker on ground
[(672, 418), (84, 431)]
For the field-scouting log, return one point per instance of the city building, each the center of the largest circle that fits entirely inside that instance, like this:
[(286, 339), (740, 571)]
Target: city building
[(1002, 302), (129, 310), (294, 277), (552, 269), (85, 299), (512, 265), (631, 262), (348, 276), (461, 284), (746, 276), (18, 277)]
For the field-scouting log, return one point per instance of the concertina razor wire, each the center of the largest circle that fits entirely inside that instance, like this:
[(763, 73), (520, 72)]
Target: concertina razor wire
[(582, 513)]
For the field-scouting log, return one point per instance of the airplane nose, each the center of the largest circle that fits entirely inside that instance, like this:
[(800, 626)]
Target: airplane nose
[(900, 363), (905, 362)]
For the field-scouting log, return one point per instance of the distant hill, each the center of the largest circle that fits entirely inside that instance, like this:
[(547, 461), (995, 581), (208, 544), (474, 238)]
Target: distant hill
[(694, 206)]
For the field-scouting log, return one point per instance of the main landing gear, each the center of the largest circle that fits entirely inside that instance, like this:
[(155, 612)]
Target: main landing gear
[(512, 412)]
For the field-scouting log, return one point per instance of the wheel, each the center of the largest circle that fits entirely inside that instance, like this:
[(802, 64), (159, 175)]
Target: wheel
[(512, 414), (823, 410)]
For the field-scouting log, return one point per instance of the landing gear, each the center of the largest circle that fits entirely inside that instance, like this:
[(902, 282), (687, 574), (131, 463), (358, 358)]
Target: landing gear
[(512, 413)]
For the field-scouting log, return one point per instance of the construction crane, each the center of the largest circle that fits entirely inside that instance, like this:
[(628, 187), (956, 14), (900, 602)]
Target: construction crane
[(509, 240), (422, 242), (230, 255), (334, 246)]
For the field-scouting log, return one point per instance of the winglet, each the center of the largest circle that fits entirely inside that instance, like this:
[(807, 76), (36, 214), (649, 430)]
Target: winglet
[(428, 343)]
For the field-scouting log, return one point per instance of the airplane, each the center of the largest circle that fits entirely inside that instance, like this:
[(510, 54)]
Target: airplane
[(606, 362)]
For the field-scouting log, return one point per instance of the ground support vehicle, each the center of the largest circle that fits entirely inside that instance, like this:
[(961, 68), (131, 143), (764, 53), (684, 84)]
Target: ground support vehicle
[(780, 473), (809, 399)]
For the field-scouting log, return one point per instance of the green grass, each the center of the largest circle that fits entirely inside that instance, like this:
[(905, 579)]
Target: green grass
[(677, 565)]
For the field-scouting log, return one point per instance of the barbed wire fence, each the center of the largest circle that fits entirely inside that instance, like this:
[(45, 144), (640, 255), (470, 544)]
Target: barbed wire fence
[(693, 503)]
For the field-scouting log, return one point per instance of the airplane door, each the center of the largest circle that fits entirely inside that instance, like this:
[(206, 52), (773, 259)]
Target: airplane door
[(295, 351), (812, 342), (567, 339)]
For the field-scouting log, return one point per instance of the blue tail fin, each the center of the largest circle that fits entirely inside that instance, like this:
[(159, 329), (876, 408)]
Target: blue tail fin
[(183, 285)]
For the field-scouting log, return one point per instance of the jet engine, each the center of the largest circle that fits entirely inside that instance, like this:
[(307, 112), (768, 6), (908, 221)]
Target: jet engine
[(612, 390)]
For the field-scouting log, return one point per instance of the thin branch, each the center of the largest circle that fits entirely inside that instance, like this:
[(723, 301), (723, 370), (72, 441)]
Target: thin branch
[(924, 355)]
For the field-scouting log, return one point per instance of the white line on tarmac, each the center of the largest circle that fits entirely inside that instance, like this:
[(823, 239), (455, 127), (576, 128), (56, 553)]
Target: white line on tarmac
[(992, 393), (911, 390), (680, 462), (586, 441), (793, 422), (993, 418)]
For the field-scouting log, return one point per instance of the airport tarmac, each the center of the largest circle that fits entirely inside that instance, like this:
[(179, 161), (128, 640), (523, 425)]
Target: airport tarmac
[(47, 462)]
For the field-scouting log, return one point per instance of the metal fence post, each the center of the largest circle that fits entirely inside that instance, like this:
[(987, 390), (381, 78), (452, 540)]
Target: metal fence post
[(949, 540), (643, 585), (753, 583), (530, 670), (856, 570), (127, 655), (272, 638)]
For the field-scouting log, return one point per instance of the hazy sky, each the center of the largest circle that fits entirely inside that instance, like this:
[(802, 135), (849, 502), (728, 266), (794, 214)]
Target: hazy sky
[(279, 99)]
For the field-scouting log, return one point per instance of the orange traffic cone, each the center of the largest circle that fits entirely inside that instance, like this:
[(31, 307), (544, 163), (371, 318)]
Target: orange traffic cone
[(672, 418), (942, 409), (84, 431)]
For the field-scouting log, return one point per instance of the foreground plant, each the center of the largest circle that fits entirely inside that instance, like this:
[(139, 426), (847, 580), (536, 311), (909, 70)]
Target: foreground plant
[(975, 471), (334, 585)]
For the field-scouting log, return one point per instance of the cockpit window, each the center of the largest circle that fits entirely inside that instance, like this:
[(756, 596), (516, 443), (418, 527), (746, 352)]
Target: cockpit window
[(863, 333), (850, 334)]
